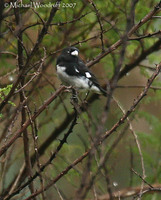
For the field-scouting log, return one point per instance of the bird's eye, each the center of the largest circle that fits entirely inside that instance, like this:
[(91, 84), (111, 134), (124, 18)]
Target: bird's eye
[(68, 51)]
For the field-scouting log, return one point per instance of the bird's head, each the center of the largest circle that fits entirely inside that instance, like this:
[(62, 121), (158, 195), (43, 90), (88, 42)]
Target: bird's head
[(71, 51)]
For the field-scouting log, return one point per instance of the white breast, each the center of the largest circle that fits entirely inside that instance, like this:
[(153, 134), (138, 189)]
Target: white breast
[(78, 82)]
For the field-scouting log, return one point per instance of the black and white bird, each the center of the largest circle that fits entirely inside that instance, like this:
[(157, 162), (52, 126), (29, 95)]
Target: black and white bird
[(72, 71)]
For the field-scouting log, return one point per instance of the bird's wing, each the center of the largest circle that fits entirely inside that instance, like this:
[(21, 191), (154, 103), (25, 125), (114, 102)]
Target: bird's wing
[(87, 73)]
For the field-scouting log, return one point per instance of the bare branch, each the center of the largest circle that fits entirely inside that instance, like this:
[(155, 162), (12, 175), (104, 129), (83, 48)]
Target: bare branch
[(38, 42), (28, 122), (107, 134), (119, 42)]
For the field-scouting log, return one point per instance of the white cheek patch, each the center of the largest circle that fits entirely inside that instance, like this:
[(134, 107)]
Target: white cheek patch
[(88, 75), (74, 53)]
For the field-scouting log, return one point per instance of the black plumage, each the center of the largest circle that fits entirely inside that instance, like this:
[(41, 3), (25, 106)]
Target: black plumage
[(73, 71)]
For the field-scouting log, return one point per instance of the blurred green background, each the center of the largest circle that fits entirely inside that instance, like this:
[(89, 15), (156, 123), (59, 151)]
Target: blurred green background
[(76, 23)]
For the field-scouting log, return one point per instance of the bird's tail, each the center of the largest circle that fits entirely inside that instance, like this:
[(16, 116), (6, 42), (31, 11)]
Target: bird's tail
[(104, 92)]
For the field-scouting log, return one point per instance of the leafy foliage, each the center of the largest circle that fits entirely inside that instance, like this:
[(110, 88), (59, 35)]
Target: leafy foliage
[(74, 148), (3, 93)]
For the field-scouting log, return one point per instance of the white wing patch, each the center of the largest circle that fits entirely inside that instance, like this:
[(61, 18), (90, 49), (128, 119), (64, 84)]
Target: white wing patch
[(76, 70), (88, 75), (78, 82)]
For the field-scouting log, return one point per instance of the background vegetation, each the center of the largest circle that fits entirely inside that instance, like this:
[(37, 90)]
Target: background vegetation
[(53, 147)]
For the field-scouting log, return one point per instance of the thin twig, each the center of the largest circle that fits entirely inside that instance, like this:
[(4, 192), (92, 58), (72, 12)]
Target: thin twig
[(100, 23), (28, 122), (107, 134), (30, 56), (132, 30)]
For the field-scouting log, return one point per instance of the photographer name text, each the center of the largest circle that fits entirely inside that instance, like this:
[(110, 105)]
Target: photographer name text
[(39, 5)]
